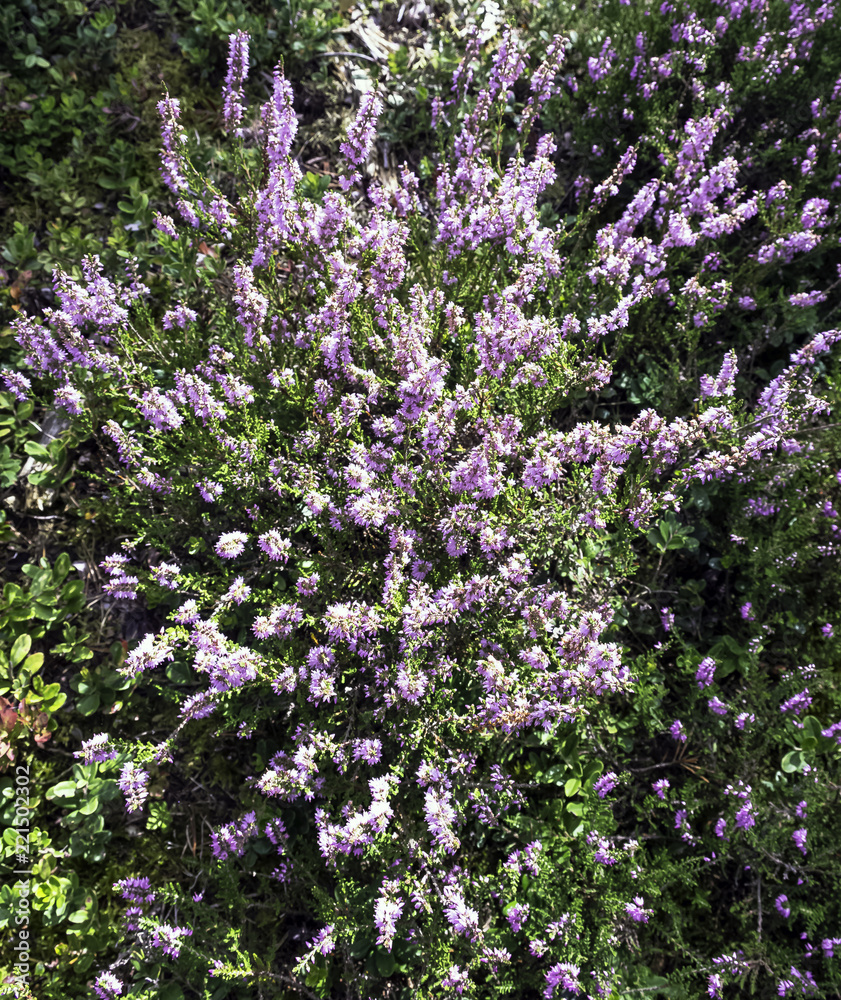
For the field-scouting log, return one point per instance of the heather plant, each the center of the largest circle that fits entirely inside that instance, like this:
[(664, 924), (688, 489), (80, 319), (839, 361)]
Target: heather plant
[(350, 457)]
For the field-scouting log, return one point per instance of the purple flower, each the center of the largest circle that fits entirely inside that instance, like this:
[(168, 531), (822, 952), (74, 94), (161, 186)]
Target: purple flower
[(705, 673), (308, 585), (179, 317), (565, 975), (96, 750), (387, 911), (361, 134), (717, 706), (635, 910), (720, 827), (275, 545), (210, 490), (440, 816), (231, 544), (744, 817), (517, 916), (70, 399), (173, 137), (784, 911), (715, 986), (605, 784), (169, 939), (237, 592), (724, 384), (165, 574), (462, 919), (667, 617), (237, 71), (18, 384), (107, 987), (164, 224), (799, 837), (135, 890), (230, 840), (456, 979), (746, 612), (368, 750), (133, 781), (797, 703), (660, 787), (827, 630), (677, 731)]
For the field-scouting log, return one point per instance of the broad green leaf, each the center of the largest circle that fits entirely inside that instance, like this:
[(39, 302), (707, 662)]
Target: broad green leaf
[(36, 450), (20, 649), (385, 963), (89, 704), (63, 790), (793, 761), (572, 786), (61, 569)]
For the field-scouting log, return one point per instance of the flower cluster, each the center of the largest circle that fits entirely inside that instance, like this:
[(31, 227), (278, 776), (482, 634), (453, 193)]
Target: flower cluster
[(424, 496)]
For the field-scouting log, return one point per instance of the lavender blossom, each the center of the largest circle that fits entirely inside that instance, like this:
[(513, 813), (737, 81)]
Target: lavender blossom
[(635, 910), (133, 781), (96, 750), (18, 384), (605, 784), (705, 672), (231, 544), (237, 71), (661, 786), (107, 987), (677, 731), (360, 135)]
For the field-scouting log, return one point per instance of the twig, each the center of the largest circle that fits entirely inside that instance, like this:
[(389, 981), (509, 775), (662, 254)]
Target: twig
[(350, 55)]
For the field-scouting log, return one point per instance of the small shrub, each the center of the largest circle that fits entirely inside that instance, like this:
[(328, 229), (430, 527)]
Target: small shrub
[(403, 644)]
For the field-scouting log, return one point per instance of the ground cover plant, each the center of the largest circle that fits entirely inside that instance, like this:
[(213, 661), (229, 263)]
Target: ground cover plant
[(493, 544)]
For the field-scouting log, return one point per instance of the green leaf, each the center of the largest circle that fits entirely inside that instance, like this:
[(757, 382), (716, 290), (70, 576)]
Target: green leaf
[(20, 649), (61, 569), (811, 727), (793, 761), (89, 704), (572, 786), (36, 450), (593, 769), (178, 672), (63, 790), (33, 664), (361, 945), (385, 963)]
